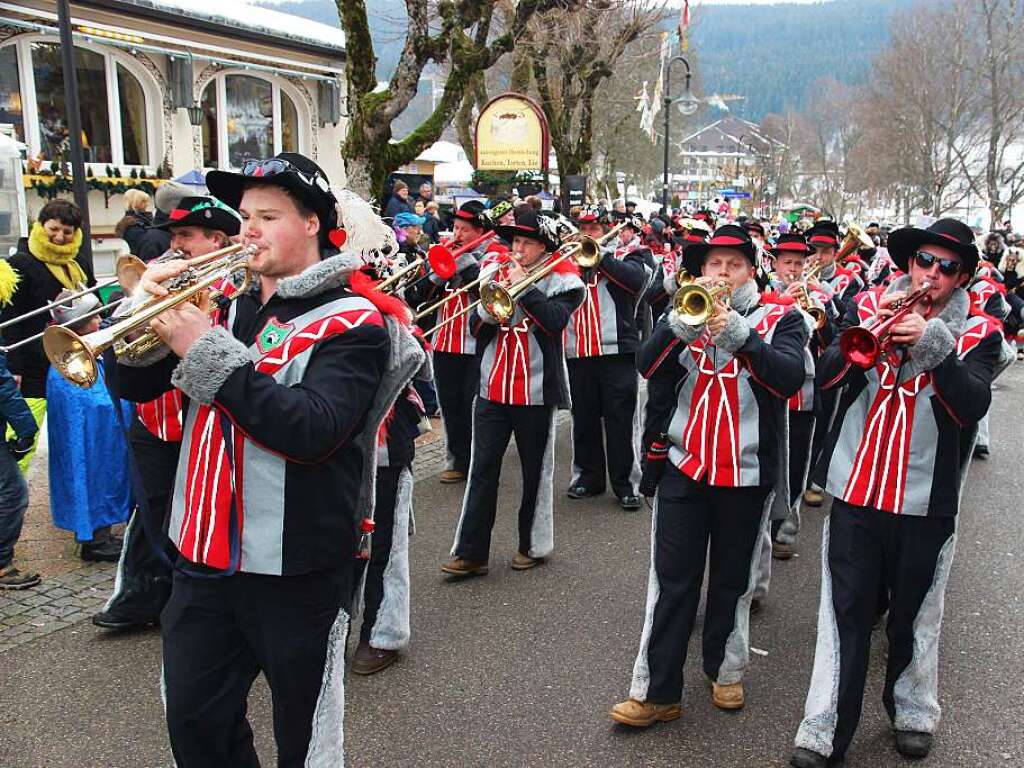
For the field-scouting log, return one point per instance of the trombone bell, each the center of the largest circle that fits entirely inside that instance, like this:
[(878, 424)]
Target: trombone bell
[(497, 301)]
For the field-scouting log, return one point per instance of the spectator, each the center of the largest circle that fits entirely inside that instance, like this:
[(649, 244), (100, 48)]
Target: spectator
[(85, 436), (136, 220), (156, 241), (432, 222), (399, 202), (46, 262), (535, 202), (419, 208), (426, 193), (15, 413)]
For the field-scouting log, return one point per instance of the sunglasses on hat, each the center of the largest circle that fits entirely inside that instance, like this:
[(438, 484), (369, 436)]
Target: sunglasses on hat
[(947, 267), (275, 165)]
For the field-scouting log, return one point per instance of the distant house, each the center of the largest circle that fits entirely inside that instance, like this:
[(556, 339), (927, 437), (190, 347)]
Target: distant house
[(256, 81)]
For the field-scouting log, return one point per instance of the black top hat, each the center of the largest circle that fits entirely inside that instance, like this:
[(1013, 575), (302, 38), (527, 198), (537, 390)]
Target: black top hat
[(633, 220), (753, 225), (726, 236), (472, 211), (824, 232), (289, 170), (206, 212), (949, 233), (790, 242), (530, 224)]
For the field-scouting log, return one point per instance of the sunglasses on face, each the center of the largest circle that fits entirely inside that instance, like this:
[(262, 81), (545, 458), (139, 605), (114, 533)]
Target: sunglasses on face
[(261, 168), (947, 267)]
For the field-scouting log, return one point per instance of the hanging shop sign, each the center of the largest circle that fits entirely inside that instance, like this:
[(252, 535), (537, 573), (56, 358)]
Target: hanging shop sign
[(512, 135)]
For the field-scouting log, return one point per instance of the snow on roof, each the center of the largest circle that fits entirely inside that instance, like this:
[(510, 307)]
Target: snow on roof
[(242, 15), (442, 152)]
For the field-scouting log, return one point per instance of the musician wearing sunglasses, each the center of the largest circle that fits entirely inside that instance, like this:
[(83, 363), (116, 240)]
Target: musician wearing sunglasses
[(522, 383), (894, 460), (718, 381), (286, 394)]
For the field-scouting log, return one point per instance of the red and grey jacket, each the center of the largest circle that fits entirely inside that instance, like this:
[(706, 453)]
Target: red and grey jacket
[(987, 297), (605, 323), (844, 282), (453, 337), (901, 429), (285, 403), (803, 400), (723, 398), (522, 361), (163, 417)]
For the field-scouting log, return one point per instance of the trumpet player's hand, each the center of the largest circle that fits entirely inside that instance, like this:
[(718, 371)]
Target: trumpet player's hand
[(794, 289), (886, 302), (717, 323), (159, 273), (908, 331), (181, 326)]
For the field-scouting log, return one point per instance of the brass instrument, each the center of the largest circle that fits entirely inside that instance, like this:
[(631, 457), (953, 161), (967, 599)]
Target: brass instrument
[(442, 253), (683, 277), (862, 345), (695, 303), (813, 308), (75, 356), (856, 238)]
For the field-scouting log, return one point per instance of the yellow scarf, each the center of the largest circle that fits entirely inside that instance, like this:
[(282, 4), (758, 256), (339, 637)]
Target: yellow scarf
[(59, 259)]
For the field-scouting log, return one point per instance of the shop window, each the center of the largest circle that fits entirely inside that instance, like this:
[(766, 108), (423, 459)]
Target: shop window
[(10, 91), (48, 72)]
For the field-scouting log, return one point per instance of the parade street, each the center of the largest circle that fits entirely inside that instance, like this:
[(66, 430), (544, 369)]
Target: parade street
[(519, 669)]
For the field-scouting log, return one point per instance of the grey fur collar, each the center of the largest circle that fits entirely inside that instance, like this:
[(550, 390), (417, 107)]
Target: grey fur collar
[(954, 314), (560, 282), (745, 297), (320, 277)]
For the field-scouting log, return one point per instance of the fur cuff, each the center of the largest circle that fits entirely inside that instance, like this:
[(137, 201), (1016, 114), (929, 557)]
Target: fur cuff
[(934, 345), (685, 333), (207, 365), (734, 335)]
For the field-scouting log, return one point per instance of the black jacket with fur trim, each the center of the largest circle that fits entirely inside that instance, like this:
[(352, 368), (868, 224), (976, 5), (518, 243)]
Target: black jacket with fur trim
[(903, 427), (300, 386)]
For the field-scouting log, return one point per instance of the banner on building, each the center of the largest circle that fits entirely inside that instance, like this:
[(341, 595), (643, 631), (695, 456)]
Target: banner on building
[(512, 135)]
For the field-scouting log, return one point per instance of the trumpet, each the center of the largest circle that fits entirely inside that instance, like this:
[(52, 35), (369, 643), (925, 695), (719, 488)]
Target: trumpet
[(862, 345), (695, 303), (441, 262), (683, 277), (813, 308), (75, 356), (856, 238)]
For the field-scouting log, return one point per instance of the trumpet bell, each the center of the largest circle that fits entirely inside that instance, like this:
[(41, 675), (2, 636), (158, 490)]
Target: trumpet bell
[(497, 301), (694, 304), (860, 346), (72, 355), (818, 315)]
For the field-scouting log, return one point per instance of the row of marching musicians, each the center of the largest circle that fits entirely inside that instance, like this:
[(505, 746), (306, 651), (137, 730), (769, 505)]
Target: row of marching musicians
[(296, 414), (876, 383)]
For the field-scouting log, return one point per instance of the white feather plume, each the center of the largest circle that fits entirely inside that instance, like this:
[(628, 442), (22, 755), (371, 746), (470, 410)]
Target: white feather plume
[(366, 233)]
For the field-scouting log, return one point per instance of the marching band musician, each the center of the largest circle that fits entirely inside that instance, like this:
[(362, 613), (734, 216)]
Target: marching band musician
[(286, 395), (665, 281), (729, 375), (522, 383), (894, 462), (600, 344), (198, 226), (456, 372)]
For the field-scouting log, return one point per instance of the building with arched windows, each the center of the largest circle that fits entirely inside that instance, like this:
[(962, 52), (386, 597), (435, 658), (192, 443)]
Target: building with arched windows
[(172, 84)]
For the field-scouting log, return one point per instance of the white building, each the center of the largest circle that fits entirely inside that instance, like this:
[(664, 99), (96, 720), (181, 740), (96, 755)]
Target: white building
[(257, 81)]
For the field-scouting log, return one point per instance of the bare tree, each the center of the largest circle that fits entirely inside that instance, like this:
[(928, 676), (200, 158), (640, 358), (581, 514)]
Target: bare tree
[(461, 35)]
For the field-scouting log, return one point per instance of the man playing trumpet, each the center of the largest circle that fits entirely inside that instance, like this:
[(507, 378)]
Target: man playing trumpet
[(522, 383), (726, 369), (894, 461)]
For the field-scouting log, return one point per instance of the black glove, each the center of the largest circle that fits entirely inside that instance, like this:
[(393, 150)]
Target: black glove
[(655, 460), (21, 447)]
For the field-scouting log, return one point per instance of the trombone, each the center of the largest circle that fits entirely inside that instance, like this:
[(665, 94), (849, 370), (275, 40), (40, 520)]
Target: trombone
[(75, 356), (442, 254)]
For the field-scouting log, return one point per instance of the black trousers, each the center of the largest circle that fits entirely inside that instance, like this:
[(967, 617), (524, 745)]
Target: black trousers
[(219, 633), (801, 427), (388, 479), (145, 583), (865, 547), (494, 426), (457, 378), (691, 519), (603, 393)]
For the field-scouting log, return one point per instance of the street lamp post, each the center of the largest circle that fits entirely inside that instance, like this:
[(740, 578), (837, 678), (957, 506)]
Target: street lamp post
[(688, 104)]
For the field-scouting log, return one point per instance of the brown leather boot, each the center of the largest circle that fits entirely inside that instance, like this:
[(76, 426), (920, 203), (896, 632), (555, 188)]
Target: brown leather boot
[(369, 660), (458, 566), (521, 562), (453, 476), (727, 696), (641, 714)]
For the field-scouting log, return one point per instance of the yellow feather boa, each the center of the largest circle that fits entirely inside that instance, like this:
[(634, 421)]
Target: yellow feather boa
[(59, 259), (8, 282)]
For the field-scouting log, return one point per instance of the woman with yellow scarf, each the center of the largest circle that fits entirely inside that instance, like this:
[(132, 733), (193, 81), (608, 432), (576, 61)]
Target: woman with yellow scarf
[(46, 263)]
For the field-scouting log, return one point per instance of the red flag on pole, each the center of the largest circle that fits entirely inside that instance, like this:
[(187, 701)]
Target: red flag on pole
[(684, 24)]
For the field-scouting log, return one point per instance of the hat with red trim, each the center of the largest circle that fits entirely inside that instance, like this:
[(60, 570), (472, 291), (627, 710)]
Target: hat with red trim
[(825, 233), (790, 242), (472, 211), (949, 233), (206, 212), (592, 213), (728, 236), (529, 224)]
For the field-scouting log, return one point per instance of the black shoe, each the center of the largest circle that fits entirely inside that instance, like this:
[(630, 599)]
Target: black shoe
[(581, 492), (913, 744), (117, 620), (806, 758), (629, 502), (756, 605), (102, 552), (981, 451)]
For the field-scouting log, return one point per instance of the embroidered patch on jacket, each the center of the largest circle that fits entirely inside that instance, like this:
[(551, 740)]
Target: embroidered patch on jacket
[(273, 335)]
